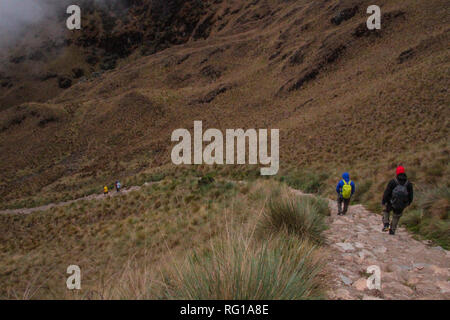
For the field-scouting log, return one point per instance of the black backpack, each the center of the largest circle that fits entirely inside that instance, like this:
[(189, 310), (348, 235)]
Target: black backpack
[(400, 196)]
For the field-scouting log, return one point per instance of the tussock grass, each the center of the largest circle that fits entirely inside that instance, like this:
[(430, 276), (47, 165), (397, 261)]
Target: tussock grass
[(135, 281), (148, 219), (435, 202), (171, 220), (301, 216), (431, 217), (412, 219), (242, 269), (235, 264)]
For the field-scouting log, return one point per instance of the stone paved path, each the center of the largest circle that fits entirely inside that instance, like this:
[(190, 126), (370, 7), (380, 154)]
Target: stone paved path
[(410, 269)]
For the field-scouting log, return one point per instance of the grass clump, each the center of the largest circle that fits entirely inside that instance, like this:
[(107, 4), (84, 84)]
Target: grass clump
[(301, 216), (240, 269), (431, 218), (435, 202)]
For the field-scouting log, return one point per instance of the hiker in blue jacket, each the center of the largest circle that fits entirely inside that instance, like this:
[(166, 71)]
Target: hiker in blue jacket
[(345, 190)]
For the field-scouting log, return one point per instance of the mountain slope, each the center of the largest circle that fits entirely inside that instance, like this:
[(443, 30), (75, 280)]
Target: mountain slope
[(342, 97)]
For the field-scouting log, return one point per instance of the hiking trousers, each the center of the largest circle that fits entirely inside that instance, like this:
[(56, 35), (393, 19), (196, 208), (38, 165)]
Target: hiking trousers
[(395, 217), (346, 202)]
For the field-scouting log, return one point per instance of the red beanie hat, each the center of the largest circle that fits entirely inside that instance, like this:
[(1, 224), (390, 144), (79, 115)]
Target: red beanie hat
[(400, 169)]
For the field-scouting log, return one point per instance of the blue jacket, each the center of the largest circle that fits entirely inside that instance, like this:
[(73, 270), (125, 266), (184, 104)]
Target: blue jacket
[(340, 184)]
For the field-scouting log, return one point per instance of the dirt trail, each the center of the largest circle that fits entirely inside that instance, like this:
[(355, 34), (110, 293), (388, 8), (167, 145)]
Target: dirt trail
[(410, 269), (64, 203)]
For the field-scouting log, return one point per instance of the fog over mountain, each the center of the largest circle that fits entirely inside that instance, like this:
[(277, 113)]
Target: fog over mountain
[(18, 15)]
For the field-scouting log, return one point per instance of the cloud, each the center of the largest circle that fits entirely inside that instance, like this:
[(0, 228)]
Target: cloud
[(18, 16)]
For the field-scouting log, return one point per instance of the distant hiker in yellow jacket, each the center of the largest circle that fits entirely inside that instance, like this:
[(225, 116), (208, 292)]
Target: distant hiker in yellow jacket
[(105, 190)]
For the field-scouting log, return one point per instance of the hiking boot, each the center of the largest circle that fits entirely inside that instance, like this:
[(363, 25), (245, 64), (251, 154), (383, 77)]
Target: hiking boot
[(386, 227), (391, 232)]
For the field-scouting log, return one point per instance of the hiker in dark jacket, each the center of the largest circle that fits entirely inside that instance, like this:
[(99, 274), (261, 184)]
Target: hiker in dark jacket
[(345, 190), (397, 196)]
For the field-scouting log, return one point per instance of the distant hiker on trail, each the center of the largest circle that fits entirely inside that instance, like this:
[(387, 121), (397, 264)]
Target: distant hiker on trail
[(345, 189), (118, 186), (105, 190), (397, 196)]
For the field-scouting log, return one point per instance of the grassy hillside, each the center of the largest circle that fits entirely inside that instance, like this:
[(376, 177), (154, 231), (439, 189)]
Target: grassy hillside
[(127, 243), (344, 99)]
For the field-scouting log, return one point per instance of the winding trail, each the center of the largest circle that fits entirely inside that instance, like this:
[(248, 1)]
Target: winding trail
[(65, 203), (410, 269)]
